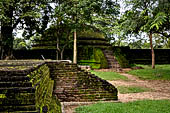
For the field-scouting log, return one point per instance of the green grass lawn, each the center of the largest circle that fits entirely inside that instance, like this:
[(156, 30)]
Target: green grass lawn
[(132, 89), (109, 75), (161, 72), (145, 106)]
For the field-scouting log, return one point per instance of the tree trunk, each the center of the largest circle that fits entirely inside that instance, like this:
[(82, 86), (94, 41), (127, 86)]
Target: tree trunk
[(7, 42), (57, 51), (62, 51), (6, 36), (1, 47), (62, 54), (152, 51), (75, 48)]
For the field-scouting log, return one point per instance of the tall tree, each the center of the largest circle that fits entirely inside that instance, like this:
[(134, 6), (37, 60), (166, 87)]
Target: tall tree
[(30, 15), (79, 13), (145, 16)]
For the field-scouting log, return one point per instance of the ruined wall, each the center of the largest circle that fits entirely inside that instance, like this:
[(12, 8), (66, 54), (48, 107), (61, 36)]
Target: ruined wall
[(26, 86), (143, 56), (73, 84), (38, 86)]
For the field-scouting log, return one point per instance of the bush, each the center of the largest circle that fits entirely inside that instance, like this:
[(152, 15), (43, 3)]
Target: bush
[(99, 56), (97, 59), (121, 58)]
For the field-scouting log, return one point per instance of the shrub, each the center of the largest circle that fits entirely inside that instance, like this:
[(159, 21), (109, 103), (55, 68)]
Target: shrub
[(99, 56), (97, 59), (121, 58)]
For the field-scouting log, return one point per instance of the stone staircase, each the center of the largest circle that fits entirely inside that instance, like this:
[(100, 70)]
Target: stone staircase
[(112, 62), (16, 92), (75, 85)]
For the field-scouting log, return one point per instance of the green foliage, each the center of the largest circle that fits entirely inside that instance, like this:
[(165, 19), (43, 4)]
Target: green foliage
[(92, 63), (97, 59), (131, 89), (145, 106), (109, 75), (30, 16), (161, 72), (20, 44), (25, 15), (121, 58), (159, 19), (2, 96), (142, 17)]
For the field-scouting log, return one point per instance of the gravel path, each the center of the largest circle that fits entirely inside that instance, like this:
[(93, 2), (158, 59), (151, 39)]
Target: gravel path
[(160, 89)]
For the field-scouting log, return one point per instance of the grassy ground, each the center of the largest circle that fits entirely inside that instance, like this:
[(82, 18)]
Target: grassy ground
[(131, 89), (146, 106), (161, 72), (109, 75)]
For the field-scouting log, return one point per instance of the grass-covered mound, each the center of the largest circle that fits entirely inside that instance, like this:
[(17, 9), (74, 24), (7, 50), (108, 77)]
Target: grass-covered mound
[(92, 38), (145, 106)]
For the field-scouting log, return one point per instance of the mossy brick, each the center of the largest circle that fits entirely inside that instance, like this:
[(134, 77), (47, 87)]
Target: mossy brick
[(15, 84), (17, 90), (14, 73), (14, 78), (85, 82), (20, 95), (44, 89), (17, 108), (8, 102)]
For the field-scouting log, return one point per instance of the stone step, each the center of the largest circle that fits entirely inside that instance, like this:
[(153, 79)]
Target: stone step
[(63, 71), (15, 84), (17, 90), (64, 68), (23, 108), (14, 78), (18, 95), (14, 73), (70, 66), (25, 112), (11, 102), (112, 60), (107, 51), (110, 57), (114, 66)]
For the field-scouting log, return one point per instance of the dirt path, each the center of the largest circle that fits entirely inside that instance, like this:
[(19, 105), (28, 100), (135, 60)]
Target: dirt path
[(159, 89)]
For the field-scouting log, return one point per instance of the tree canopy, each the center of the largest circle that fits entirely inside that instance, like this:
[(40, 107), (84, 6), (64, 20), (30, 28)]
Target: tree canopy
[(30, 15), (34, 16), (149, 16)]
